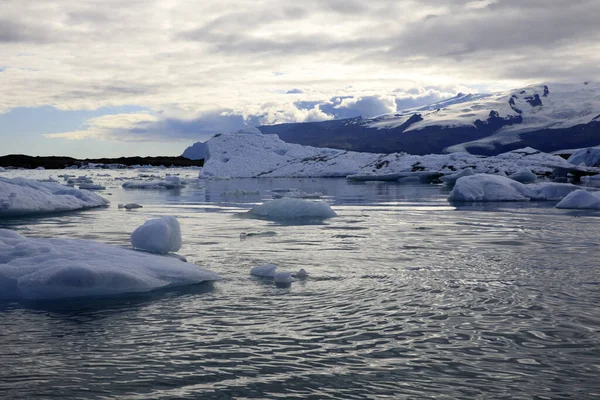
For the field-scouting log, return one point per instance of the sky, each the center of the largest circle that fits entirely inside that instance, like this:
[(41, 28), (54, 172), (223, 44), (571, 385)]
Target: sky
[(109, 78)]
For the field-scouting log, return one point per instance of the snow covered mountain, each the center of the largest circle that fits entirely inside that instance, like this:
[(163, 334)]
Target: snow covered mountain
[(547, 117)]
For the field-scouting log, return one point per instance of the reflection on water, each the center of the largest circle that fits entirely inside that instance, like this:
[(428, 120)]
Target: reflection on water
[(407, 297)]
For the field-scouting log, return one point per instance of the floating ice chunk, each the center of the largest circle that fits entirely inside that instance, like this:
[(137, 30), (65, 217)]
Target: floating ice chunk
[(21, 196), (264, 271), (286, 209), (483, 187), (130, 206), (170, 182), (91, 186), (240, 193), (581, 199), (160, 235), (302, 274), (524, 175), (298, 195), (2, 169), (550, 190), (282, 277), (589, 157), (62, 268), (452, 178)]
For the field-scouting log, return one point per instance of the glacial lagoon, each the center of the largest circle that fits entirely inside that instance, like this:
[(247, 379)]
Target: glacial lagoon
[(407, 296)]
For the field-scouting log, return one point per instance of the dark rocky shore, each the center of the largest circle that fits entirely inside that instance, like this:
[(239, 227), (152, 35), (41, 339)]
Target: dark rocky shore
[(58, 162)]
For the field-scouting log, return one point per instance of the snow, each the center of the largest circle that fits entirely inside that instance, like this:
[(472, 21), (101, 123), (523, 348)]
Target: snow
[(264, 271), (565, 106), (589, 157), (159, 235), (524, 175), (63, 268), (483, 187), (19, 196), (242, 156), (581, 199), (289, 209)]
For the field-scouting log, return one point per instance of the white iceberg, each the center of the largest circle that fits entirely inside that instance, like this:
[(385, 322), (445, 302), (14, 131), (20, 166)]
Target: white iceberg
[(589, 157), (289, 209), (159, 235), (484, 187), (19, 196), (524, 175), (63, 268), (582, 200)]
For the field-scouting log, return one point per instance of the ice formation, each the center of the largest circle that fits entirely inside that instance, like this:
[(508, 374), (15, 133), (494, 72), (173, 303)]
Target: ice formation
[(242, 156), (170, 182), (524, 175), (451, 179), (483, 187), (264, 271), (581, 199), (589, 157), (287, 209), (19, 196), (283, 277), (129, 206), (62, 268), (159, 235)]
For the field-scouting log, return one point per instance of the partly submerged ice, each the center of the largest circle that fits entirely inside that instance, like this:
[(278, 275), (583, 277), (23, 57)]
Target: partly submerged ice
[(159, 235), (484, 187), (20, 196), (63, 268), (290, 209), (582, 200)]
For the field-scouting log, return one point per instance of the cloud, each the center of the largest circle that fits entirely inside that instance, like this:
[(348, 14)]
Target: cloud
[(235, 61)]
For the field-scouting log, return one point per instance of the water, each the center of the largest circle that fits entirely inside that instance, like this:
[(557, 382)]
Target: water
[(408, 297)]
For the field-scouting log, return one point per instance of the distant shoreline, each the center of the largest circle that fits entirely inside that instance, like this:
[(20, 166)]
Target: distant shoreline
[(59, 162)]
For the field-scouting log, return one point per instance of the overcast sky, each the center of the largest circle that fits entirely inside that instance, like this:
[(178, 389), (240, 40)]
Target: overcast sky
[(149, 77)]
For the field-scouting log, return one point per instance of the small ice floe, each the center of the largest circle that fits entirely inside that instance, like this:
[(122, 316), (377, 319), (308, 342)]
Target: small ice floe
[(264, 271), (170, 182), (129, 206), (21, 196), (159, 235), (524, 175), (283, 278), (241, 193), (245, 235), (483, 187), (589, 157), (451, 179), (290, 209), (91, 186), (298, 195), (581, 200), (280, 278), (302, 274), (66, 268)]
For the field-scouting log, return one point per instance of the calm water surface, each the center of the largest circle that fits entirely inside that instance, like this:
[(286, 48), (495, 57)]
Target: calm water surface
[(408, 297)]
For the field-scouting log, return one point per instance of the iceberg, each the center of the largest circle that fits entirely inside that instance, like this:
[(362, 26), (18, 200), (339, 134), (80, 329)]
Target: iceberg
[(288, 209), (589, 157), (159, 235), (580, 200), (524, 175), (264, 271), (19, 196), (66, 268), (451, 179), (484, 187)]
